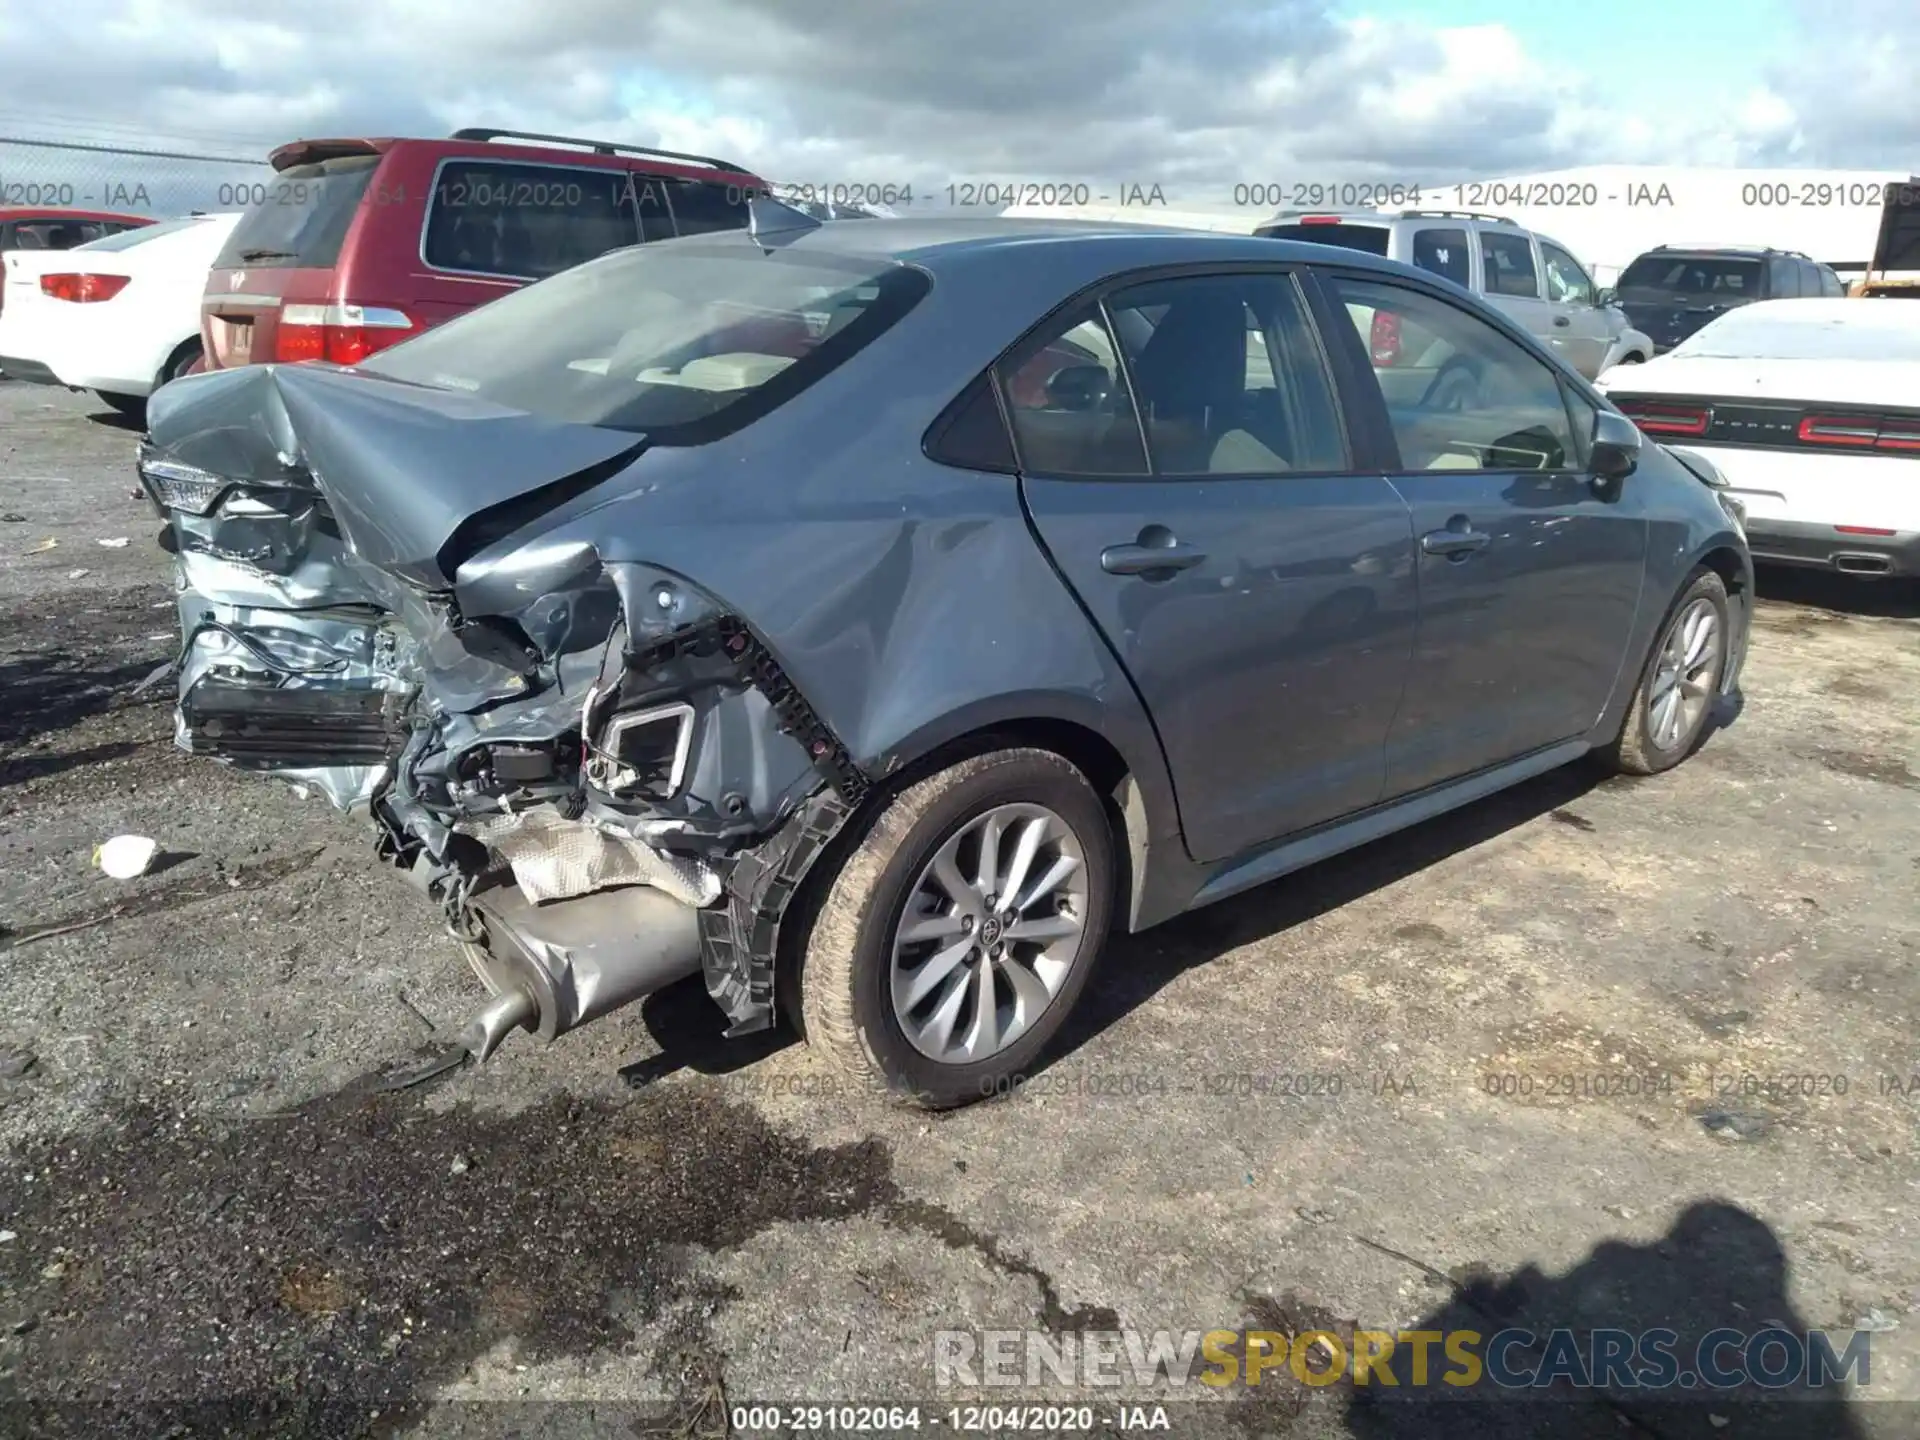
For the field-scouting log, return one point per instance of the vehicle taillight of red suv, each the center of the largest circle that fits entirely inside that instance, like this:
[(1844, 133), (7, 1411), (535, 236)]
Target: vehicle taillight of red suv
[(354, 245)]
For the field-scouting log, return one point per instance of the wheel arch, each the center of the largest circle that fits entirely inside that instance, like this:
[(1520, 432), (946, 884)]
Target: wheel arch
[(1130, 778), (174, 356)]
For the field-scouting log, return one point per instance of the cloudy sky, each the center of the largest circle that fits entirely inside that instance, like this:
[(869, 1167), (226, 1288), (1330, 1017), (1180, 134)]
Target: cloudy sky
[(1196, 95)]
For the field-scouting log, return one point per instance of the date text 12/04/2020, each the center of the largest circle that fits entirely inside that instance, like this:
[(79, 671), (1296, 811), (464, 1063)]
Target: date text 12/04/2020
[(1473, 195), (898, 1419)]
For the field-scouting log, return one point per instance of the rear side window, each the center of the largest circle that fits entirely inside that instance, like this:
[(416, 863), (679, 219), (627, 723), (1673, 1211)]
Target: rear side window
[(971, 434), (1829, 282), (1444, 252), (299, 218), (1659, 276), (55, 234), (1509, 264), (701, 207), (1071, 410), (1370, 238), (1783, 280), (491, 217), (1228, 377)]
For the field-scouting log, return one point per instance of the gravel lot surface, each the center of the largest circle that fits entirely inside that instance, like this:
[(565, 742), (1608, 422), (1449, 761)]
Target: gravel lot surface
[(221, 1210)]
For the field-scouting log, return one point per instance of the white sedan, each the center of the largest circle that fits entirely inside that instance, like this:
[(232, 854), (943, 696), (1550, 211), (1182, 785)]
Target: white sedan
[(119, 316), (1811, 410)]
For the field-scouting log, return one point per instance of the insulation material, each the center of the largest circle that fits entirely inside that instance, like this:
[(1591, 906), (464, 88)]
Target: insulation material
[(554, 858)]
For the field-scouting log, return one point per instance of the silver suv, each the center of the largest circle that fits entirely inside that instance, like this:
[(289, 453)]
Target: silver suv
[(1535, 280)]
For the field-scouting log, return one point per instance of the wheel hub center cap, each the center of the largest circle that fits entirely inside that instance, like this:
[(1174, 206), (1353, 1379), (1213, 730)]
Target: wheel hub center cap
[(990, 930)]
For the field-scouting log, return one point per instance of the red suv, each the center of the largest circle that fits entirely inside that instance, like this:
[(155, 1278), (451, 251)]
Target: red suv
[(355, 245)]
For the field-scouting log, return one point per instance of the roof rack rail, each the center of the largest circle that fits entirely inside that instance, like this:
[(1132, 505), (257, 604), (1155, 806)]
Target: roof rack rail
[(599, 147), (1456, 215), (1739, 250)]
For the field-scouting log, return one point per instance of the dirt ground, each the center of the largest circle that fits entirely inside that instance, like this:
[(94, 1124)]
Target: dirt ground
[(222, 1210)]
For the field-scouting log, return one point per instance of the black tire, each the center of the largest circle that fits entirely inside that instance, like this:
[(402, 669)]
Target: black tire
[(846, 1011), (1634, 750), (180, 362), (1455, 384), (133, 407)]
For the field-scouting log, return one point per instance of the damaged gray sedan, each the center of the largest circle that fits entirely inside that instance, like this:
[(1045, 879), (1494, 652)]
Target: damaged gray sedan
[(871, 617)]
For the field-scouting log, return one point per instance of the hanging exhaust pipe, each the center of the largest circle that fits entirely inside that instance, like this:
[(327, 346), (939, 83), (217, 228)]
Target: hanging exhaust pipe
[(555, 967)]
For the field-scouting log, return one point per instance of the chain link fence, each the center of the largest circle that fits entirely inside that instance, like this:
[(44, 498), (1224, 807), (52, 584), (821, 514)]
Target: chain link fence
[(69, 175)]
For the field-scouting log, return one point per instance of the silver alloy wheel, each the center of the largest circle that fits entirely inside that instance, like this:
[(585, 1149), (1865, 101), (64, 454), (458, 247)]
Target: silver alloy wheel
[(1685, 675), (991, 929)]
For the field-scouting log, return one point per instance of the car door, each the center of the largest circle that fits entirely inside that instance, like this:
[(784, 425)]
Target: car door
[(1186, 464), (1510, 280), (1529, 572), (1581, 332)]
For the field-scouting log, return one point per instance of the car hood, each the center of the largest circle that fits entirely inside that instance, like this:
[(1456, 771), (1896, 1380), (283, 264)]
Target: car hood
[(416, 478)]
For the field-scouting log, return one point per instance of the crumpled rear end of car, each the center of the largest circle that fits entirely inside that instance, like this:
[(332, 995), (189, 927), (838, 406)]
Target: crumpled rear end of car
[(566, 753)]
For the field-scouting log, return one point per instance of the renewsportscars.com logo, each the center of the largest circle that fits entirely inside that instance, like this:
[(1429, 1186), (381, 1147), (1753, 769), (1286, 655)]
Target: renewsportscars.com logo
[(1771, 1358)]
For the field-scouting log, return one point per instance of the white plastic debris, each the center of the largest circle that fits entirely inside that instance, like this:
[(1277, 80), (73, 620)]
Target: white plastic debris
[(76, 574), (119, 542), (45, 545), (554, 858), (7, 1237), (125, 856)]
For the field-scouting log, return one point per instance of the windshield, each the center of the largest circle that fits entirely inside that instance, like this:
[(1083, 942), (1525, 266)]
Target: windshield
[(1700, 277), (300, 216), (686, 341), (1370, 238), (127, 239)]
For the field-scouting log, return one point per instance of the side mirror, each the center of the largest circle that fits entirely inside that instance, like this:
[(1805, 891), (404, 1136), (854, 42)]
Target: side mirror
[(1615, 452), (1607, 296), (1078, 387)]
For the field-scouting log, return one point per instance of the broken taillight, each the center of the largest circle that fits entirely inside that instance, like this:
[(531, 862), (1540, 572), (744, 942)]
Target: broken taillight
[(339, 334)]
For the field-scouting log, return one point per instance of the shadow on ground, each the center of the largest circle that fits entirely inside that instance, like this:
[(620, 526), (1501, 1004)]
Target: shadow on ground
[(1893, 599), (1719, 1269)]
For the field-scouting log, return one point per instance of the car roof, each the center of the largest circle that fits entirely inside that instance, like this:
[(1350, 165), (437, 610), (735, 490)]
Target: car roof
[(339, 147), (1738, 252), (36, 212), (1098, 247), (1788, 333)]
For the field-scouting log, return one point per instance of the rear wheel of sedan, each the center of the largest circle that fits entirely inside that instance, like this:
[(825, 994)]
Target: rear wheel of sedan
[(1680, 682), (959, 932)]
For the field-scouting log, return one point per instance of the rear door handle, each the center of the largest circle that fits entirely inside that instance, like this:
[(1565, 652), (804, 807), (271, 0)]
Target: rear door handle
[(1139, 559), (1455, 543), (1562, 321)]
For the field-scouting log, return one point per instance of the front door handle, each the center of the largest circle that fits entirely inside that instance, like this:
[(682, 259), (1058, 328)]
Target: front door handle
[(1455, 544), (1155, 551), (1562, 321)]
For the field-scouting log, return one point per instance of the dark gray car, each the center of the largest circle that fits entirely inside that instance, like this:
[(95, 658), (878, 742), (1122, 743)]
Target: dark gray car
[(871, 617)]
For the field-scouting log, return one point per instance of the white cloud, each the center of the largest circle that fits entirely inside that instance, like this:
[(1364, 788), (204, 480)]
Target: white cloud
[(1195, 97)]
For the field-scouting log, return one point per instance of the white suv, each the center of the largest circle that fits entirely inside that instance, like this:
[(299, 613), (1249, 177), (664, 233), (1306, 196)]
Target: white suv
[(1534, 280)]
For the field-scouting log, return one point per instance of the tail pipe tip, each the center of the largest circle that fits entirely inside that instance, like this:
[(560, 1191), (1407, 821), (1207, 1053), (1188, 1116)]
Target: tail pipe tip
[(512, 1009)]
